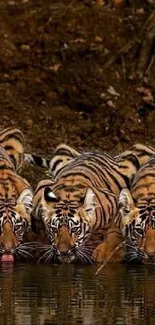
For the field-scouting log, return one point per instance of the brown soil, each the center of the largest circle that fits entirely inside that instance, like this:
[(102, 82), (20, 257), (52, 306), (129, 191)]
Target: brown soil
[(54, 84)]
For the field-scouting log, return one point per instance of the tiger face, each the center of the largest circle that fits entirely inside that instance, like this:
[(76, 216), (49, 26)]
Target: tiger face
[(14, 224), (68, 226), (138, 227)]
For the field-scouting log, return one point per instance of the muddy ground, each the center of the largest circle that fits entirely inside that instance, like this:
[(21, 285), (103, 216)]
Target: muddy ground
[(55, 83)]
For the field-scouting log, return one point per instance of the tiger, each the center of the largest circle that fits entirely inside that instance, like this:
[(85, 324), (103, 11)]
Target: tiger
[(137, 209), (15, 199), (78, 207)]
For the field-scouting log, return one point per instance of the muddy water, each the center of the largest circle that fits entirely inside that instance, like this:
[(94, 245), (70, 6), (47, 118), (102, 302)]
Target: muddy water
[(70, 294)]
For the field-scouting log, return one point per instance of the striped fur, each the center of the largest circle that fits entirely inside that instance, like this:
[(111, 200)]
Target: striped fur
[(62, 155), (140, 151), (137, 208), (129, 161), (13, 141), (15, 207), (79, 205)]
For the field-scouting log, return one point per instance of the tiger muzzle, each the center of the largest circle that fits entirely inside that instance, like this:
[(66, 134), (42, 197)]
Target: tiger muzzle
[(64, 242), (8, 242)]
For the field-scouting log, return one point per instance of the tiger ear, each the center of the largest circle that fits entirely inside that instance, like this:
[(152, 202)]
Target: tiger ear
[(25, 199), (125, 201), (49, 196), (89, 200), (24, 205), (126, 206)]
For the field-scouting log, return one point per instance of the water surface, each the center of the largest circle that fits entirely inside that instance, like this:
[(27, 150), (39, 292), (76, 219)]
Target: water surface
[(70, 294)]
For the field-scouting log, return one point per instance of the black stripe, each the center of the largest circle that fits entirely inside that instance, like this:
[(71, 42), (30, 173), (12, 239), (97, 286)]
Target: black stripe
[(39, 161), (59, 161)]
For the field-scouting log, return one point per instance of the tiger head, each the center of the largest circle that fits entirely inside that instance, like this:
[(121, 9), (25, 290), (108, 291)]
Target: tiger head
[(138, 227), (14, 224), (68, 221)]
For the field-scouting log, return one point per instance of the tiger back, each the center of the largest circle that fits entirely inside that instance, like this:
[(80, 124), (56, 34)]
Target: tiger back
[(13, 141)]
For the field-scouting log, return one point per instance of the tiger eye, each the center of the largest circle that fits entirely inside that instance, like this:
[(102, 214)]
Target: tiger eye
[(72, 211), (70, 215), (58, 211)]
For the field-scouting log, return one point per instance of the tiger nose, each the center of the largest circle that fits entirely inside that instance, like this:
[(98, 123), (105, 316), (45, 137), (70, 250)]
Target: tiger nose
[(151, 254), (63, 249), (7, 247)]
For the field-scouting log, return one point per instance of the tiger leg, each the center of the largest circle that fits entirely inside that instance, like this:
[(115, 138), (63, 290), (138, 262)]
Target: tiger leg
[(112, 241)]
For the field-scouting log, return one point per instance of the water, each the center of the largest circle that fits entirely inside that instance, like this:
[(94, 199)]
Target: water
[(71, 294)]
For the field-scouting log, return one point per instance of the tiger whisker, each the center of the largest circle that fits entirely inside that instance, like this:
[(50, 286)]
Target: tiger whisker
[(27, 250), (87, 258), (28, 246), (23, 251), (83, 256), (86, 249), (45, 247), (18, 254), (130, 245), (49, 257), (44, 255), (27, 254), (30, 243)]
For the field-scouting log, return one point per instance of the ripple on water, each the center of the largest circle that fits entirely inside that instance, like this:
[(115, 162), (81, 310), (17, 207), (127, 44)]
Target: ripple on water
[(71, 294)]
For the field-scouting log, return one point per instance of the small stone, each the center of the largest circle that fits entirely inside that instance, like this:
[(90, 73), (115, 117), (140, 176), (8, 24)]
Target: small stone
[(28, 123), (43, 102), (25, 48), (140, 11), (112, 91), (110, 103), (103, 95), (98, 39)]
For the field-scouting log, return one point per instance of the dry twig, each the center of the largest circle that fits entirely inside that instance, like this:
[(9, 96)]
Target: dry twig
[(109, 257)]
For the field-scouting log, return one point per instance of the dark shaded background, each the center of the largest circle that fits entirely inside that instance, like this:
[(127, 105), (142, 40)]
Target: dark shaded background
[(54, 82)]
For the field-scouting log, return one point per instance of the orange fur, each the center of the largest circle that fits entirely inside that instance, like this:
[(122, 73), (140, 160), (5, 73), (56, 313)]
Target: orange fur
[(112, 239)]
